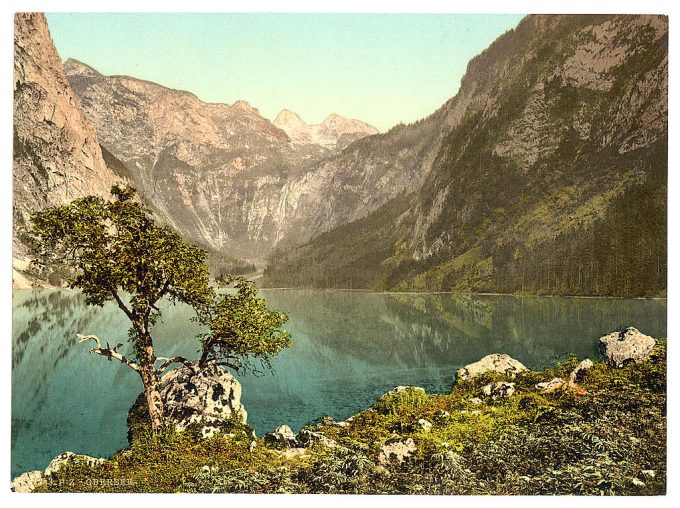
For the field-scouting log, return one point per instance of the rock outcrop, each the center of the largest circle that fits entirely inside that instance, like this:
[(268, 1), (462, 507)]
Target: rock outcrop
[(206, 396), (64, 458), (501, 363), (57, 156), (208, 399), (626, 345), (499, 390), (401, 389), (580, 371), (282, 437), (550, 386), (28, 482), (397, 449)]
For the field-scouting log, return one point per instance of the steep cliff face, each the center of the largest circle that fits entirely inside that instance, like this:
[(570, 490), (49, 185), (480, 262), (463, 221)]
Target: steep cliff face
[(57, 157), (213, 171), (228, 179), (335, 132), (552, 177)]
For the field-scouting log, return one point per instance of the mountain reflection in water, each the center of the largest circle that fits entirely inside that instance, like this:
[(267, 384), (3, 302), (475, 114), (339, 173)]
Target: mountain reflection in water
[(349, 348)]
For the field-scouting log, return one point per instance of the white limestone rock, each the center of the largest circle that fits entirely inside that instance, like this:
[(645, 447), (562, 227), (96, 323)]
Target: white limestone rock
[(500, 363), (627, 345)]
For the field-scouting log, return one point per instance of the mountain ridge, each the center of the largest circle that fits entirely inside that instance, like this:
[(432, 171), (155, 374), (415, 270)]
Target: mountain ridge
[(209, 156), (556, 158)]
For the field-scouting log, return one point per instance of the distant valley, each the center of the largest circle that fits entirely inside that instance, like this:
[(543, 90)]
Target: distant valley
[(545, 173)]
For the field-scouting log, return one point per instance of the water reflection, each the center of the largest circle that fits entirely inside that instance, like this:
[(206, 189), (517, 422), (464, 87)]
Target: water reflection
[(349, 348)]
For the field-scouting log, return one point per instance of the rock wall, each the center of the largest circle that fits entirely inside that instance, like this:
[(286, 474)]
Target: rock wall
[(57, 157)]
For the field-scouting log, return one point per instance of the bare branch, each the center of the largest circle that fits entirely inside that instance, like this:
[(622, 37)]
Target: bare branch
[(108, 351), (231, 365), (121, 305), (170, 361)]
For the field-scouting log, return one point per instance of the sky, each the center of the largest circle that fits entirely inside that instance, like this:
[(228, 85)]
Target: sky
[(380, 68)]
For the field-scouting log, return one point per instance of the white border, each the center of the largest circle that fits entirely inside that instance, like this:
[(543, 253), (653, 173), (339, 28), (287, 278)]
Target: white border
[(480, 6)]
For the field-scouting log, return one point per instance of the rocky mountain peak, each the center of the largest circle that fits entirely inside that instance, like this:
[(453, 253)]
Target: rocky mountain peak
[(335, 119), (292, 124), (245, 106), (74, 67), (335, 132), (289, 118)]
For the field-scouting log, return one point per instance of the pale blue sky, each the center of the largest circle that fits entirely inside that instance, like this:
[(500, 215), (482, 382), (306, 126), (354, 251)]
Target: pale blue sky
[(380, 68)]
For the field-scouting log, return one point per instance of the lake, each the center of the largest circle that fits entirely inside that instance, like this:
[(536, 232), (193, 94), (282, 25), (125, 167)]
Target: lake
[(349, 348)]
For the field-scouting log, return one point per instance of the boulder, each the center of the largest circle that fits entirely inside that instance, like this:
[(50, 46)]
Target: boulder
[(66, 457), (579, 372), (282, 437), (306, 438), (396, 450), (424, 425), (503, 364), (550, 386), (442, 416), (400, 389), (205, 396), (209, 398), (27, 482), (626, 345), (499, 390)]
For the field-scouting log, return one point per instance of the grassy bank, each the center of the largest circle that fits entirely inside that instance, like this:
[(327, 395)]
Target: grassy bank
[(606, 437)]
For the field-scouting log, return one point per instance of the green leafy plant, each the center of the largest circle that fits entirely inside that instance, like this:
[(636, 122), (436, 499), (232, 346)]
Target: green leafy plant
[(113, 248)]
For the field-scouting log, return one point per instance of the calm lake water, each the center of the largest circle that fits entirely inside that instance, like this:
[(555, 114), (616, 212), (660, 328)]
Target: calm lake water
[(349, 348)]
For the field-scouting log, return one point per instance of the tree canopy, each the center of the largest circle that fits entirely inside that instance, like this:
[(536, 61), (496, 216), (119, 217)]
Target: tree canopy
[(114, 247)]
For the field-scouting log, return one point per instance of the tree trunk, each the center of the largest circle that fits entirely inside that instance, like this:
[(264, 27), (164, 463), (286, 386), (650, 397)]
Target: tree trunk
[(153, 398), (150, 380)]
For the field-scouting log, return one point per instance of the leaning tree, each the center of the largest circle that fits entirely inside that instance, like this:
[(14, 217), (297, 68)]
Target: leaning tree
[(116, 252)]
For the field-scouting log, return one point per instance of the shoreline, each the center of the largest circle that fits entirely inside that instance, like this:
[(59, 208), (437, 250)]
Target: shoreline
[(407, 435), (515, 295)]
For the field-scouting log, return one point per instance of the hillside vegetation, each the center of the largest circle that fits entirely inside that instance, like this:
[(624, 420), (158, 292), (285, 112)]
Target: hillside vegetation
[(552, 180), (605, 436)]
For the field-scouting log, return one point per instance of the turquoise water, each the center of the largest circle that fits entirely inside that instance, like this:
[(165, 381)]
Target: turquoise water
[(349, 348)]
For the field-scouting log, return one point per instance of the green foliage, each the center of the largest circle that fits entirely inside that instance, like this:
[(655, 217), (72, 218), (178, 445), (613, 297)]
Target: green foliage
[(115, 245), (242, 327), (603, 442), (583, 217)]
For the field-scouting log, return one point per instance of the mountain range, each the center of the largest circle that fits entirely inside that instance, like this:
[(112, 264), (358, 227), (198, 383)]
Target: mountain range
[(545, 173), (222, 175), (551, 177)]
